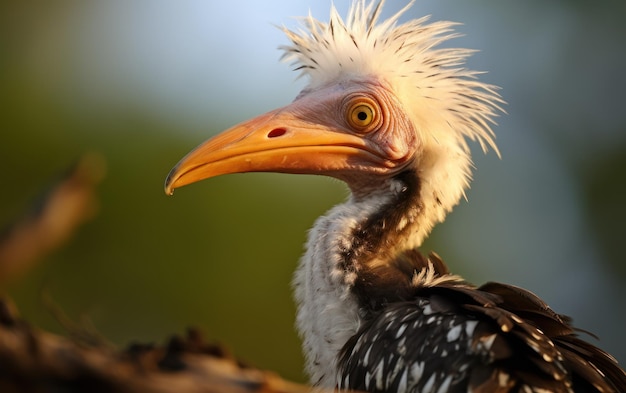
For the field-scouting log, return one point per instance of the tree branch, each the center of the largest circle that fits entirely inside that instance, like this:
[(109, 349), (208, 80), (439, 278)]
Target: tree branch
[(32, 360)]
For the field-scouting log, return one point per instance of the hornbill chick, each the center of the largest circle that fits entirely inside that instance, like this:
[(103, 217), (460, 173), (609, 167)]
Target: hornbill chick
[(390, 113)]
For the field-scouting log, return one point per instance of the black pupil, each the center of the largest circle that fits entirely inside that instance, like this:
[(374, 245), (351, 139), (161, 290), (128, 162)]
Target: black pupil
[(362, 116)]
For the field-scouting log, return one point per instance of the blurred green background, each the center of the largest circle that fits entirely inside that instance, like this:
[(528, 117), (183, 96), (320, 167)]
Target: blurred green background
[(142, 82)]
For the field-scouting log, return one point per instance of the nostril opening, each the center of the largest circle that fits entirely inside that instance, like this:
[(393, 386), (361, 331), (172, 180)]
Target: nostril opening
[(276, 132)]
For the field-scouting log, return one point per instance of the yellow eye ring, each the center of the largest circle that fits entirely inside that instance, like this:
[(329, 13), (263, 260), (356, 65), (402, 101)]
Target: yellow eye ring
[(362, 114)]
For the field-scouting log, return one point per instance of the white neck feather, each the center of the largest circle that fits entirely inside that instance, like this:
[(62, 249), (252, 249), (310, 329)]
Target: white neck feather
[(327, 311)]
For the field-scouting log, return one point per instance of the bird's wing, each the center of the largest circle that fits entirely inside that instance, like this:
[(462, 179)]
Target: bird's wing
[(456, 337), (591, 368)]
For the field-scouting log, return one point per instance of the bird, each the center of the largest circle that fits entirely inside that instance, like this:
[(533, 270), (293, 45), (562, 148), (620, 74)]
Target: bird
[(391, 112)]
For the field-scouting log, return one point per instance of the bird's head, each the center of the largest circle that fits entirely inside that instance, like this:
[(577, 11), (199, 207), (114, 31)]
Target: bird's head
[(382, 98)]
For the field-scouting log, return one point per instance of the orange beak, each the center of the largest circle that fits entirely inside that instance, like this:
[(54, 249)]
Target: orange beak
[(286, 140)]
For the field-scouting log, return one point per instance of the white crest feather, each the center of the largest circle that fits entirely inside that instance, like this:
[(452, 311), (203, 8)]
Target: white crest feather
[(406, 56)]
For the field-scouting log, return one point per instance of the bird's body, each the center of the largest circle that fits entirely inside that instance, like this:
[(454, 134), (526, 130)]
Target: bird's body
[(389, 113)]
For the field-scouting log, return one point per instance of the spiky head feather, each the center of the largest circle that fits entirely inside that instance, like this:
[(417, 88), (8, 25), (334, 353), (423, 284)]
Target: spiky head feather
[(428, 79)]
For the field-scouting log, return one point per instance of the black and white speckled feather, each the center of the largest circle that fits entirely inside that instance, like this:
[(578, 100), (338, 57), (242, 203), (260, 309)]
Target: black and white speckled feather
[(452, 336)]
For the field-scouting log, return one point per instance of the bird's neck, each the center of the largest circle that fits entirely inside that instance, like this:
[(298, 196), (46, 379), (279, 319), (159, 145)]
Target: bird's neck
[(368, 235), (360, 233)]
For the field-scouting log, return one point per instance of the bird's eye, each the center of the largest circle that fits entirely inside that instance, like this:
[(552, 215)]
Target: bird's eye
[(362, 115)]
